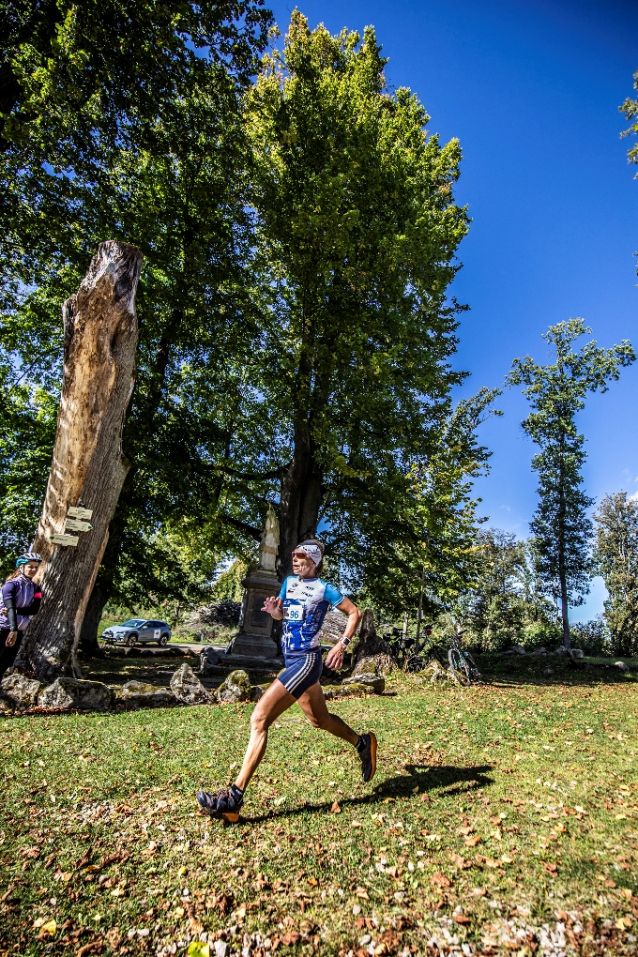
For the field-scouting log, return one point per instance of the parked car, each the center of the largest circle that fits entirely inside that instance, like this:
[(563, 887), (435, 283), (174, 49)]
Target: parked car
[(138, 630)]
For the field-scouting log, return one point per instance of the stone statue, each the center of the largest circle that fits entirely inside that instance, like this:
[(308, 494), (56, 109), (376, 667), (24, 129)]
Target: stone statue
[(269, 545)]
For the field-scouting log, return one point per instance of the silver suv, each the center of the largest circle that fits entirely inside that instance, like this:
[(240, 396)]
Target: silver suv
[(138, 630)]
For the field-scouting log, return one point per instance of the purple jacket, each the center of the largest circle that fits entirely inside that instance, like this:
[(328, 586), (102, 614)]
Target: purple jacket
[(21, 597)]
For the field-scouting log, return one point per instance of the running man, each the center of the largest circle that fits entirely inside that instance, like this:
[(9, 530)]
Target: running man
[(303, 601)]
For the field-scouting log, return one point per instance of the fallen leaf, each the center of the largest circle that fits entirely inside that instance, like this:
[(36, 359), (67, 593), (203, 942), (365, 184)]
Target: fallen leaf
[(460, 861), (198, 949), (462, 919), (362, 892), (335, 809), (178, 912), (552, 868), (48, 928), (313, 881), (440, 880), (473, 841)]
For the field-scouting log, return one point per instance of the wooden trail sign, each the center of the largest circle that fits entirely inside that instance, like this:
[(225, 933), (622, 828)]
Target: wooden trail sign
[(76, 511), (75, 525), (61, 539)]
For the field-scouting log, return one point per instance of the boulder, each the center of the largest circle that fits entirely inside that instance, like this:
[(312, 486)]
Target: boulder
[(578, 653), (235, 688), (621, 665), (366, 666), (139, 694), (72, 693), (355, 690), (256, 692), (518, 650), (22, 692), (187, 687), (5, 706), (375, 682), (208, 660), (539, 651)]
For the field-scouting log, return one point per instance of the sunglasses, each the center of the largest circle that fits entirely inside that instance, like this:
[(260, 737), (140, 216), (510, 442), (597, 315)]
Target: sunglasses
[(300, 555)]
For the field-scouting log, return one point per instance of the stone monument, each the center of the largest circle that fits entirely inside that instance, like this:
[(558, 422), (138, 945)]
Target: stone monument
[(255, 625)]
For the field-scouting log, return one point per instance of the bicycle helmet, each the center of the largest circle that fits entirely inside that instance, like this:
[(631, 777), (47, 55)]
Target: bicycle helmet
[(28, 557)]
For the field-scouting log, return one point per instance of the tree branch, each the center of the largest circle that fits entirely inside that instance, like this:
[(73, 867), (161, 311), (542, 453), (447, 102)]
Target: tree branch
[(242, 527)]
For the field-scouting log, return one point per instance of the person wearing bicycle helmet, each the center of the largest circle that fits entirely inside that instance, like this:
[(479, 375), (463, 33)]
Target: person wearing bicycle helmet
[(303, 601), (21, 599)]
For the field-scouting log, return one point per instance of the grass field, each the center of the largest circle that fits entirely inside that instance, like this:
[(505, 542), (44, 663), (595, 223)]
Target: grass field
[(503, 820)]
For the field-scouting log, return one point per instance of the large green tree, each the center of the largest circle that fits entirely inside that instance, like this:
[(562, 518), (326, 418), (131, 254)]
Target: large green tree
[(356, 232), (561, 525), (616, 557), (125, 122)]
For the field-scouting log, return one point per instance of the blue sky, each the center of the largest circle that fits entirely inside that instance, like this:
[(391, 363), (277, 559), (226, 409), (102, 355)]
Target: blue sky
[(532, 91)]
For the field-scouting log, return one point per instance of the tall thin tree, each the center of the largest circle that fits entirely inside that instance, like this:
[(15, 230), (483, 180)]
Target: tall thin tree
[(561, 525)]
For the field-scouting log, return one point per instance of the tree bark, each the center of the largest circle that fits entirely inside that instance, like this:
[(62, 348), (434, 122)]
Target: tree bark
[(98, 598), (88, 467), (300, 501)]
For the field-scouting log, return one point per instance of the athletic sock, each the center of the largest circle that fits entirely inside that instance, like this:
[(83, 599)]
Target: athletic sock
[(361, 744), (237, 791)]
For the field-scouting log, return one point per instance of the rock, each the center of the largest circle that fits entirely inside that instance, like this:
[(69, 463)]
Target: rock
[(356, 690), (578, 653), (187, 687), (621, 665), (5, 706), (518, 650), (208, 660), (71, 693), (222, 949), (256, 692), (376, 682), (139, 694), (539, 651), (22, 692), (332, 628), (235, 688), (367, 666)]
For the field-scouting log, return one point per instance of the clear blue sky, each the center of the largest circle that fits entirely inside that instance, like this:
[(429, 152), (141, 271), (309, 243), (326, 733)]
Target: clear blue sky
[(531, 88)]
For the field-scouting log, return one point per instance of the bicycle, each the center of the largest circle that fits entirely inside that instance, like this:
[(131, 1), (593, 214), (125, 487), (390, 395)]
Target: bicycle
[(415, 656), (462, 665)]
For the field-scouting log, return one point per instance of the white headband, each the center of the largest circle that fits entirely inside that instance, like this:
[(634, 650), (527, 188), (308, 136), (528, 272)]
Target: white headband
[(312, 551)]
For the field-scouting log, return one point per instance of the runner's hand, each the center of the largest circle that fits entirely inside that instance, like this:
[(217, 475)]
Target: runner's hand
[(274, 606), (334, 658), (12, 637)]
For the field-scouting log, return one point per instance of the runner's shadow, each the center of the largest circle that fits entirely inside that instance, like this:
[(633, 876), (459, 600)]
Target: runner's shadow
[(454, 780)]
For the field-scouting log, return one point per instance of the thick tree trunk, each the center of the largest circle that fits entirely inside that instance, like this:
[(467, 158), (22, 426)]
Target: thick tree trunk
[(300, 502), (98, 598), (88, 468)]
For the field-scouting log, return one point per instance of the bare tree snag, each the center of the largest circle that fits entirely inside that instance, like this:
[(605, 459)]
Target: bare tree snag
[(88, 467)]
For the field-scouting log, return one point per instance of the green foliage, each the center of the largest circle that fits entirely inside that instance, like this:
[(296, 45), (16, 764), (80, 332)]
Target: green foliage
[(556, 392), (139, 140), (630, 110), (616, 557), (228, 586), (356, 233), (432, 533), (502, 602)]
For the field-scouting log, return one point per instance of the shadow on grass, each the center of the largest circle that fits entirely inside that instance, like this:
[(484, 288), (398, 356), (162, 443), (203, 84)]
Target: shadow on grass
[(532, 671), (454, 780)]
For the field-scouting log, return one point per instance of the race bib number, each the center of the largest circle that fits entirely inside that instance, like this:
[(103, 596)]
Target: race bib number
[(294, 613)]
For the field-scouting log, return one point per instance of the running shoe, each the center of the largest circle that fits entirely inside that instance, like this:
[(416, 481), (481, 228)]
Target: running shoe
[(368, 755), (224, 804)]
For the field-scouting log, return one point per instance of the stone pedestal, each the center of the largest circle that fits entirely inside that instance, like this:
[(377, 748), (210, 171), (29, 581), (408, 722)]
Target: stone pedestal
[(255, 625)]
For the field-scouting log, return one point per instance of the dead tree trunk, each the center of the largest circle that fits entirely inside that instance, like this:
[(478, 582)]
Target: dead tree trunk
[(88, 467)]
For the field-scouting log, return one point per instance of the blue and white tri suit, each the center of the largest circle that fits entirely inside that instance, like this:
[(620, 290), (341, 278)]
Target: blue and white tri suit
[(305, 603)]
